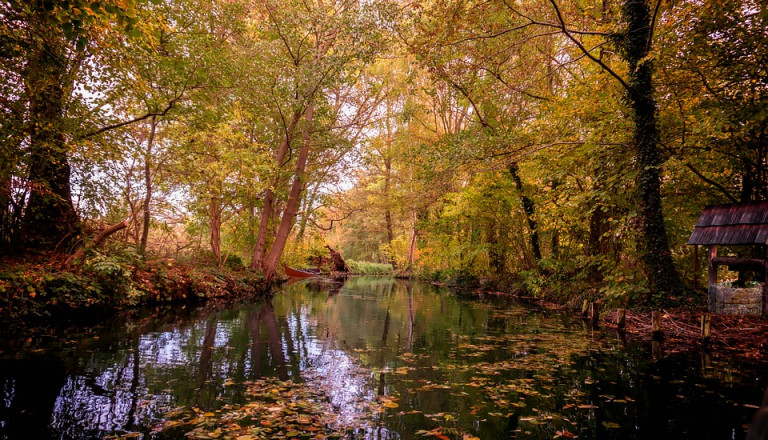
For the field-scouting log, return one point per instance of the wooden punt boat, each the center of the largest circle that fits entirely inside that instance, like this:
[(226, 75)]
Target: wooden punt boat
[(298, 273)]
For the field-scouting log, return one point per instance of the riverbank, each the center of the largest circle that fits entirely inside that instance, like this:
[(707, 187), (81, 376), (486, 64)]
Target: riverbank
[(745, 337), (732, 335), (35, 290)]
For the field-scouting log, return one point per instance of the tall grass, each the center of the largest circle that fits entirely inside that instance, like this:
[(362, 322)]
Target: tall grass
[(368, 268)]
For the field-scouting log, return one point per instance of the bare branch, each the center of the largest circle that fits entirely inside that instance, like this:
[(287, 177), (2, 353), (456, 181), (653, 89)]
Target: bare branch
[(165, 111), (653, 26), (585, 51), (560, 26), (464, 92), (323, 228)]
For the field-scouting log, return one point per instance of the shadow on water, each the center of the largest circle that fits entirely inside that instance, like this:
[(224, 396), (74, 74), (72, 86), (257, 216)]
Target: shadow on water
[(452, 366)]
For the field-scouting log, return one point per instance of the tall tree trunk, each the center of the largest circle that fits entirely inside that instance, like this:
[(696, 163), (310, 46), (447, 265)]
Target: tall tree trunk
[(214, 212), (530, 212), (387, 156), (50, 219), (654, 243), (257, 261), (597, 244), (148, 186), (6, 213), (387, 207), (294, 198), (309, 200), (412, 245)]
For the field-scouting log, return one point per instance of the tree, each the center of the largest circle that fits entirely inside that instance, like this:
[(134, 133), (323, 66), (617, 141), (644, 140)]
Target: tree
[(47, 44), (316, 46)]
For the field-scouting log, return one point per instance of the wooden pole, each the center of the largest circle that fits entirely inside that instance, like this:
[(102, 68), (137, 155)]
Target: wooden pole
[(696, 267), (706, 328), (765, 289), (621, 319), (656, 351), (594, 313), (658, 334), (712, 267)]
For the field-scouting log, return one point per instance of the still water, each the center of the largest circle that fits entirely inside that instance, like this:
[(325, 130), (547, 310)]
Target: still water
[(457, 367)]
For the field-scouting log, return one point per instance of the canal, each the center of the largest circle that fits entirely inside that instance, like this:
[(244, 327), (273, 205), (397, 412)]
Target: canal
[(392, 359)]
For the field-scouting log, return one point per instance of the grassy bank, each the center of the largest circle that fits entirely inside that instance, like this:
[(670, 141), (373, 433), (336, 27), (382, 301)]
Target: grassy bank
[(35, 290), (368, 268)]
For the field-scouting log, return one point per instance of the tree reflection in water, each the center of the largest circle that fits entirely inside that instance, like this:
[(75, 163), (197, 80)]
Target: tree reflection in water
[(466, 367)]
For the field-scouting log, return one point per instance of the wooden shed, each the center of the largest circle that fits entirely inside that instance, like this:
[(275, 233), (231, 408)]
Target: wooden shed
[(739, 226)]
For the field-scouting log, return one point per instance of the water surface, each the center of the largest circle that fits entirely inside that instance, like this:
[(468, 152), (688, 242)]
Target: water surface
[(455, 367)]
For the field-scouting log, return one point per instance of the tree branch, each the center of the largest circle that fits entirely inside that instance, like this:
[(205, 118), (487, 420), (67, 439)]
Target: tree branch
[(553, 25), (165, 111), (585, 51), (471, 102), (323, 228), (653, 26), (97, 240)]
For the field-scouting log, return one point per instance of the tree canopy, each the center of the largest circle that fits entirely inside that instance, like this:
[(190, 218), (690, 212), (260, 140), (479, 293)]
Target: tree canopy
[(543, 141)]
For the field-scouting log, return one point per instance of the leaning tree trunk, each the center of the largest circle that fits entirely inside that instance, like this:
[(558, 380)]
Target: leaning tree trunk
[(50, 220), (294, 198), (654, 243), (268, 201)]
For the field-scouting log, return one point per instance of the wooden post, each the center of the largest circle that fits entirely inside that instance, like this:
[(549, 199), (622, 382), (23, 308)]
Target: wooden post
[(706, 328), (658, 334), (712, 267), (621, 319), (594, 313), (696, 267), (765, 287), (706, 364), (656, 351)]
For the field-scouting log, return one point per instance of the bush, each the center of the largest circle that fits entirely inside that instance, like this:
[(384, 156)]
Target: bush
[(114, 275), (35, 292), (234, 262)]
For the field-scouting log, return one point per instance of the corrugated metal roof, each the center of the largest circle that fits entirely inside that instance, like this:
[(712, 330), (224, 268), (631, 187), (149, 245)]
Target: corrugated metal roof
[(737, 224)]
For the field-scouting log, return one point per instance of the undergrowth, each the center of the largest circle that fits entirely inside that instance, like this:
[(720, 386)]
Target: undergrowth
[(116, 279)]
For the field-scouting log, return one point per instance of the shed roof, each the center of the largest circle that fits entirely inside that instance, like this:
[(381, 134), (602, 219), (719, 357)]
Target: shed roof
[(736, 224)]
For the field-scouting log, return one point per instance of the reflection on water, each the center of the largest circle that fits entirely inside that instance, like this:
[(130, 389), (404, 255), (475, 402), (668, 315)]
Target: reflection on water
[(453, 367)]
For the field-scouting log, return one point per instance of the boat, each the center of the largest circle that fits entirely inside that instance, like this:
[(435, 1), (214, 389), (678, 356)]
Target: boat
[(299, 273)]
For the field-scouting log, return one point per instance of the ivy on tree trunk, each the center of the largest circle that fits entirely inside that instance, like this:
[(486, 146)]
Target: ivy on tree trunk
[(654, 243), (50, 220)]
